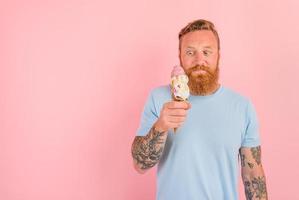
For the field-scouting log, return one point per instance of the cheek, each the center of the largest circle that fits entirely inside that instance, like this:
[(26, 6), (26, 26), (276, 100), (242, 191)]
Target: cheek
[(213, 60), (187, 61)]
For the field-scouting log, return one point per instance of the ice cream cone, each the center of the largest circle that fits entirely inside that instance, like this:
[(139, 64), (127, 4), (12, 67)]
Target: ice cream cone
[(179, 85)]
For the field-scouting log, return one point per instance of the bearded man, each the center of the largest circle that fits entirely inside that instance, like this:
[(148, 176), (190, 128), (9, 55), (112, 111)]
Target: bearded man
[(217, 129)]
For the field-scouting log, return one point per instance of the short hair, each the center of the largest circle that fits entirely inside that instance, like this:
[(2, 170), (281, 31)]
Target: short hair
[(197, 25)]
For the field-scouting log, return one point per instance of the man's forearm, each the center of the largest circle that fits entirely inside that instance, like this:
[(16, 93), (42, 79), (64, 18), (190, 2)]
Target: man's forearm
[(253, 175), (147, 150), (255, 187)]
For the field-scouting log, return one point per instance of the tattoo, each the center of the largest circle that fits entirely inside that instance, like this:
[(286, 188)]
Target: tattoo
[(248, 192), (255, 188), (147, 150), (256, 154), (251, 165), (244, 161)]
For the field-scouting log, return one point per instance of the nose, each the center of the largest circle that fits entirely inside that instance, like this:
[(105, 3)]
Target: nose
[(200, 60)]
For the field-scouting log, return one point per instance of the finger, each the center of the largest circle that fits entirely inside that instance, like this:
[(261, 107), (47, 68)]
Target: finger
[(177, 112), (189, 104), (178, 104), (176, 119)]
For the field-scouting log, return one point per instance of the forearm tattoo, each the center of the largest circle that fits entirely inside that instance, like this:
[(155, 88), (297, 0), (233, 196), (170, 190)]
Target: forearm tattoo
[(255, 185), (256, 188), (147, 150)]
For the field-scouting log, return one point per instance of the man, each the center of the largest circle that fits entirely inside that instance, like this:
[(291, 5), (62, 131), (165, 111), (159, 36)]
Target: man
[(214, 128)]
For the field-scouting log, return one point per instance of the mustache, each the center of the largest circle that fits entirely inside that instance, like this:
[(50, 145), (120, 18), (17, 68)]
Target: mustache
[(198, 67)]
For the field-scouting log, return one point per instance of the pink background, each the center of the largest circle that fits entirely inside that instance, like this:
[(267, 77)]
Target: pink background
[(74, 76)]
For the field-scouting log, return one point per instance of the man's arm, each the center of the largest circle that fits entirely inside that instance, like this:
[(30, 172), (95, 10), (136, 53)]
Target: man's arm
[(253, 176), (147, 150)]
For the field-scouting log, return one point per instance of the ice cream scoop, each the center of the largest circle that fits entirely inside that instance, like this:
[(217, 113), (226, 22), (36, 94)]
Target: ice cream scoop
[(179, 84)]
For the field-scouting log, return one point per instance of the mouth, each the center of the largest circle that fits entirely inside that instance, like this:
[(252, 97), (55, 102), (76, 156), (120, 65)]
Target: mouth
[(199, 71)]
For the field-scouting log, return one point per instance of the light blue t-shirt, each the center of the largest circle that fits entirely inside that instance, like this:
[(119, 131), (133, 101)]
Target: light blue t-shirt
[(200, 161)]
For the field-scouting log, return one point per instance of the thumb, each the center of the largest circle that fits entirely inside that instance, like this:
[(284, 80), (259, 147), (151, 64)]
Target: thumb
[(189, 105)]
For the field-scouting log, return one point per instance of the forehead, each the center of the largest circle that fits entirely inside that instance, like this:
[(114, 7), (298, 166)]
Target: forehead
[(198, 39)]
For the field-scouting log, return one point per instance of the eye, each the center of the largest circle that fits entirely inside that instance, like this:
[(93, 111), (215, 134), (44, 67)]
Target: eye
[(190, 53), (206, 52)]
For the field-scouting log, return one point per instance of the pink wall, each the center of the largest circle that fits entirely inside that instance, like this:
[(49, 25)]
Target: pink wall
[(74, 76)]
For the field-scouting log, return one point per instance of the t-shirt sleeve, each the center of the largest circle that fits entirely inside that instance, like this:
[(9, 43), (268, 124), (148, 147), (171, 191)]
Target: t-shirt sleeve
[(251, 137), (148, 116)]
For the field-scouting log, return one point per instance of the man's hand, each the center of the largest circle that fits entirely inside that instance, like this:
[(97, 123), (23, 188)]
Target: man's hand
[(172, 115)]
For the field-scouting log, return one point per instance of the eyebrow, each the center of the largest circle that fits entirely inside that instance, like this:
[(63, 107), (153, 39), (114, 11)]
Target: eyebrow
[(208, 47), (188, 47)]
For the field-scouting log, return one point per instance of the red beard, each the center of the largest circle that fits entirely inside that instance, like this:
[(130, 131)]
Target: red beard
[(203, 83)]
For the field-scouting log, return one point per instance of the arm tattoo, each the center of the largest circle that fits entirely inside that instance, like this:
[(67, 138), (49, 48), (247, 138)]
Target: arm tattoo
[(245, 162), (147, 150), (254, 181), (255, 188), (256, 154)]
